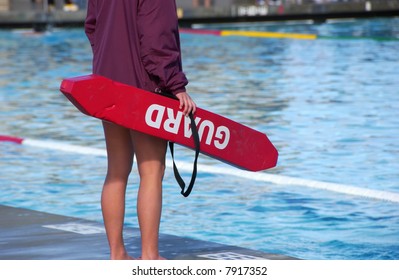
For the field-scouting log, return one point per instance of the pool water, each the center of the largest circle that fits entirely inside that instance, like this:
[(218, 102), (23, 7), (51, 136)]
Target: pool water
[(329, 105)]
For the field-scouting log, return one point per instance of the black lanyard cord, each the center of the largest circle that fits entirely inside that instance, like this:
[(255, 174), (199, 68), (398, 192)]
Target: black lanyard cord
[(180, 181)]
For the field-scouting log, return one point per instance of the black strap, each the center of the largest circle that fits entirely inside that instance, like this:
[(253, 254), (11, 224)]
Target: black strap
[(179, 179)]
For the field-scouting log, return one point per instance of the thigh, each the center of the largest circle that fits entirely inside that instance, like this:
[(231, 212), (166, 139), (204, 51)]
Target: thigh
[(150, 152), (120, 150)]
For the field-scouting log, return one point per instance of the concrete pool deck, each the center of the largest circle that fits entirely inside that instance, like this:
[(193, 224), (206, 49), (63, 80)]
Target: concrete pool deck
[(33, 235)]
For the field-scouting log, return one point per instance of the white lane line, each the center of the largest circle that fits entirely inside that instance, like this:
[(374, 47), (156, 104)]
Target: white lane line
[(229, 256), (77, 228), (60, 146), (256, 176)]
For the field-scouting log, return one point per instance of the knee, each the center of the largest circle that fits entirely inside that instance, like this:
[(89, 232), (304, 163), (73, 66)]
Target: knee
[(154, 171), (118, 174)]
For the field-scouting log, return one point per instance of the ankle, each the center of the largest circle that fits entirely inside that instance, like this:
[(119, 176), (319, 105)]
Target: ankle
[(120, 254)]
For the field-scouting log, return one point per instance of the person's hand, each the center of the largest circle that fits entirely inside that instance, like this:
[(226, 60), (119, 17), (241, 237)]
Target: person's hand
[(186, 103)]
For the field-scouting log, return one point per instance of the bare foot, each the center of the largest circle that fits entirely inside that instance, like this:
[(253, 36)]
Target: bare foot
[(159, 258), (123, 257)]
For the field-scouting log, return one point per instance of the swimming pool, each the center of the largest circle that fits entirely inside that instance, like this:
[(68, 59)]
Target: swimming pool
[(329, 105)]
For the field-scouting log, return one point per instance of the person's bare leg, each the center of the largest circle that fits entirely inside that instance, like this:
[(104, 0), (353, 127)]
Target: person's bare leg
[(120, 159), (150, 154)]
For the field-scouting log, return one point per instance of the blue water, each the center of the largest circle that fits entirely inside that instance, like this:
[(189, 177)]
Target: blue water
[(329, 105)]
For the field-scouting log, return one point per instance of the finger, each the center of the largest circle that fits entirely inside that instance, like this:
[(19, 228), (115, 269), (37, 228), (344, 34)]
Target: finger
[(186, 104), (194, 108), (183, 105), (187, 109)]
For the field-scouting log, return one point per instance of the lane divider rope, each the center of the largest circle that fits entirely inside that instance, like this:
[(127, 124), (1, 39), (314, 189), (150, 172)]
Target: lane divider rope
[(280, 35), (263, 34), (250, 33), (259, 176)]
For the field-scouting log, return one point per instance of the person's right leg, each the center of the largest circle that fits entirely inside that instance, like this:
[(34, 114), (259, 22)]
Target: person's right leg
[(120, 159)]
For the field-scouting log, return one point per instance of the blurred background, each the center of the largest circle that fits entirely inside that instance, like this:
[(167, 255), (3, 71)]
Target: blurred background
[(72, 12)]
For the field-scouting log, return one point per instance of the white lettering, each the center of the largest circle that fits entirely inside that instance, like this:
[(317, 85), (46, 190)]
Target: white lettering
[(220, 131), (172, 124), (252, 10), (159, 111), (154, 117), (187, 126), (211, 129)]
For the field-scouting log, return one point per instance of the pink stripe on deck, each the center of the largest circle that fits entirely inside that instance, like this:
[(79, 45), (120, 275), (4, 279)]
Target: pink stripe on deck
[(201, 31), (5, 138)]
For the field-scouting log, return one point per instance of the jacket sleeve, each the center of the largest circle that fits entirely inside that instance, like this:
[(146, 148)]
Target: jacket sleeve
[(90, 22), (160, 44)]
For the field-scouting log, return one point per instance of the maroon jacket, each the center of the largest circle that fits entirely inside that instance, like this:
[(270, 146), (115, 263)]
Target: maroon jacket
[(136, 42)]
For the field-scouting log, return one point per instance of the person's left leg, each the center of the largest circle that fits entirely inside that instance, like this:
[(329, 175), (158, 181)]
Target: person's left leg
[(150, 155)]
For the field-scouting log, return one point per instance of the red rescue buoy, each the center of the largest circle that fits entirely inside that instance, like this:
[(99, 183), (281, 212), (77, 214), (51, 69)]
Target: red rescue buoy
[(157, 115)]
